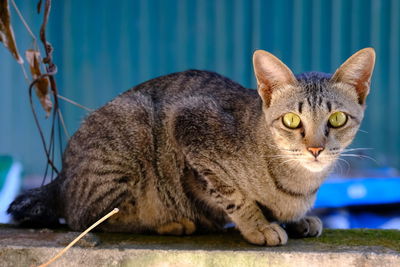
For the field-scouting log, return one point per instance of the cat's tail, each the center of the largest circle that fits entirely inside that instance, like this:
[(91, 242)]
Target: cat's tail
[(37, 207)]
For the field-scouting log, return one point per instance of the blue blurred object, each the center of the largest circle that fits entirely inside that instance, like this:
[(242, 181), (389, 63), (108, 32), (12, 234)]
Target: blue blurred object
[(366, 202), (345, 219), (337, 193)]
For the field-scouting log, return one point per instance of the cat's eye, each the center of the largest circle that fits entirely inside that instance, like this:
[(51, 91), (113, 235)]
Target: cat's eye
[(291, 120), (337, 119)]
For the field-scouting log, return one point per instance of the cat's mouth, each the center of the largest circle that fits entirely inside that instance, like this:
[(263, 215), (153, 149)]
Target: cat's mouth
[(315, 164)]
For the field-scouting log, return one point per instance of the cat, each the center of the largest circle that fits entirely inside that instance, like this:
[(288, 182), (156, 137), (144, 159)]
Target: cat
[(191, 151)]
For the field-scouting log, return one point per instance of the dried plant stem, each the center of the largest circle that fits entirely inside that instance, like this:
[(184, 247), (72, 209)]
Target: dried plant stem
[(61, 118), (25, 74), (74, 103), (51, 70), (25, 24), (49, 160), (111, 213)]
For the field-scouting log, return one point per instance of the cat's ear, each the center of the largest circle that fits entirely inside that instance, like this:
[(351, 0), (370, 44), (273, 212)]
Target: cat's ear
[(270, 73), (357, 71)]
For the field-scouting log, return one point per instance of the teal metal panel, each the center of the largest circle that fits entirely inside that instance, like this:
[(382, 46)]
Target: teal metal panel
[(103, 48)]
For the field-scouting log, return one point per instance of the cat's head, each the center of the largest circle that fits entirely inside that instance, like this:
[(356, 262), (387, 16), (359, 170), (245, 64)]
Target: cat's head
[(312, 117)]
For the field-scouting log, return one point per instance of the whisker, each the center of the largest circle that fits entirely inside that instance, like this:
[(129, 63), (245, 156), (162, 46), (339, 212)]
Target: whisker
[(360, 156), (282, 156), (278, 159), (335, 158), (357, 149), (345, 161), (286, 161), (337, 164), (363, 131)]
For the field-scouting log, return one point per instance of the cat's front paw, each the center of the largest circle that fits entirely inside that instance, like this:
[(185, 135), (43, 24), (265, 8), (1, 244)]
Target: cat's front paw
[(306, 227), (268, 235)]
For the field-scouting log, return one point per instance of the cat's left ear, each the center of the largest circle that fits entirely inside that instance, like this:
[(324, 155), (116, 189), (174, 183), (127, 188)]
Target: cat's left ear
[(357, 71)]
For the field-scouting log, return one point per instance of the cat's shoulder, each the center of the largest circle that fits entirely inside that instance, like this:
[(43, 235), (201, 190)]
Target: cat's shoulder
[(190, 86)]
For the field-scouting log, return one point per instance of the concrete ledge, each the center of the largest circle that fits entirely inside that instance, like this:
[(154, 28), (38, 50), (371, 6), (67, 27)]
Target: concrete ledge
[(26, 247)]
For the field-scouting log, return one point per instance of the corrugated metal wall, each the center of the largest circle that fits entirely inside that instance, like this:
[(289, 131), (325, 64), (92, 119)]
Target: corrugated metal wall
[(105, 47)]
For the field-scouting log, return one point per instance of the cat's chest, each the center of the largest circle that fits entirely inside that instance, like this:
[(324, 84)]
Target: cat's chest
[(287, 208), (286, 198)]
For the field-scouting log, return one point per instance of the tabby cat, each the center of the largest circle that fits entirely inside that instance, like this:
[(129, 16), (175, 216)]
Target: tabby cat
[(192, 151)]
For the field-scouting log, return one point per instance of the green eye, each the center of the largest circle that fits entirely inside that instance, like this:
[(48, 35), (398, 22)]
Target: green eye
[(291, 120), (338, 119)]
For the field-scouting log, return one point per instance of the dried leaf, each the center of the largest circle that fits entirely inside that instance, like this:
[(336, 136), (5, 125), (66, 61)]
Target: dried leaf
[(6, 31), (42, 85)]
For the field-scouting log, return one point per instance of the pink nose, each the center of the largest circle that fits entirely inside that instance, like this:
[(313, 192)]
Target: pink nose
[(315, 150)]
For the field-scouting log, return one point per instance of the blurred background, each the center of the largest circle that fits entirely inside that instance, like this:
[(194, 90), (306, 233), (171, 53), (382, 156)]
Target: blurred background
[(103, 48)]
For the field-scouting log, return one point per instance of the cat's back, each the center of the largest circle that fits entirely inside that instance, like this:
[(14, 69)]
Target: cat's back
[(192, 83)]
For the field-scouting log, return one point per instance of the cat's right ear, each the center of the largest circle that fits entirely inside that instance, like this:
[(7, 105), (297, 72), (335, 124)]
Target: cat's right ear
[(270, 73)]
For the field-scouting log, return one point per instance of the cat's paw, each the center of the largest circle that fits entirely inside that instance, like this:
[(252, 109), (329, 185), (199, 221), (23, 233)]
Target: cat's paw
[(268, 235), (182, 227), (306, 227)]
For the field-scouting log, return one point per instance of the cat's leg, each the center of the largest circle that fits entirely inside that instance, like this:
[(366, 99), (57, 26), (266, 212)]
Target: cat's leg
[(255, 228), (245, 213), (309, 226), (181, 227)]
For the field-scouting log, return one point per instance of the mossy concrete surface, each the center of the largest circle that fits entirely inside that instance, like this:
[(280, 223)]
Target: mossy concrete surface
[(27, 247)]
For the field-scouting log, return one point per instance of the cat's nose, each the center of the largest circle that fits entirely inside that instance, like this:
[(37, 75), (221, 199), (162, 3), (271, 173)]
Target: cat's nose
[(315, 150)]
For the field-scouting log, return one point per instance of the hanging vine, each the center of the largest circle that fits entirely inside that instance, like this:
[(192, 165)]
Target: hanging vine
[(42, 82)]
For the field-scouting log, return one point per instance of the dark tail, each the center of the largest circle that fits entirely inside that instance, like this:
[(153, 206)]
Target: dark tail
[(37, 207)]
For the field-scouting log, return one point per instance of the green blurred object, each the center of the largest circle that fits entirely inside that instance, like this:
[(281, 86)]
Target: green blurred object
[(103, 48), (10, 184), (5, 165)]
